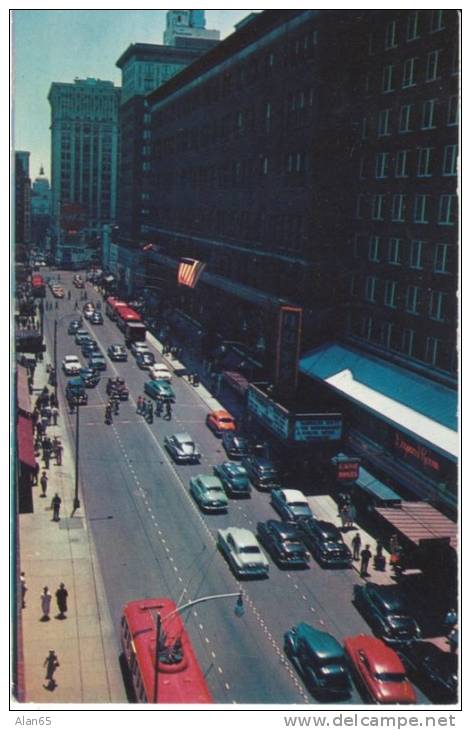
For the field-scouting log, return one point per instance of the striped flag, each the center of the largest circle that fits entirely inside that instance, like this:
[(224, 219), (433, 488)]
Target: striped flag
[(189, 271)]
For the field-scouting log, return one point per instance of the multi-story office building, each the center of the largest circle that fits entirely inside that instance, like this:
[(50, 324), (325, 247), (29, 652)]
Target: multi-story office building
[(84, 152), (40, 208), (186, 28), (22, 198)]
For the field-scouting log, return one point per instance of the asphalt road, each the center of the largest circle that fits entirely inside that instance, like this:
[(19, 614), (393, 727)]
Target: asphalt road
[(151, 538)]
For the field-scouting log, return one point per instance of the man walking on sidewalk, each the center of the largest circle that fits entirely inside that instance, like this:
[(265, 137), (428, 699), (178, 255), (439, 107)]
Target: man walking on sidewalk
[(43, 484), (58, 451), (365, 559), (356, 545), (61, 598), (46, 599), (51, 663), (55, 415), (56, 506)]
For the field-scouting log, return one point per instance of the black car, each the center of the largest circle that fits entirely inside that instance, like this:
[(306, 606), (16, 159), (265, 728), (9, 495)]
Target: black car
[(90, 377), (118, 353), (88, 347), (235, 446), (325, 542), (281, 539), (385, 609), (144, 360), (73, 327), (118, 386), (435, 671), (96, 318), (262, 472)]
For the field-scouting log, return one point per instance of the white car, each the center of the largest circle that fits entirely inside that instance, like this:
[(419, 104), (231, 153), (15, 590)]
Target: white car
[(242, 551), (139, 347), (159, 371), (291, 504), (71, 365)]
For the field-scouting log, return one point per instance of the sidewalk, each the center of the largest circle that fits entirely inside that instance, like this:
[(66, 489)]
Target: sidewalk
[(63, 552)]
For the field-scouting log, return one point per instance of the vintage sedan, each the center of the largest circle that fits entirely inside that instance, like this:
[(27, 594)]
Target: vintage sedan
[(90, 377), (96, 318), (379, 671), (220, 422), (319, 659), (117, 353), (81, 336), (182, 448), (137, 347), (235, 446), (97, 361), (73, 327), (145, 360), (281, 540), (234, 479), (262, 472), (385, 609), (117, 386), (291, 504), (243, 553), (159, 389), (71, 365), (325, 542), (208, 492), (433, 670), (159, 371)]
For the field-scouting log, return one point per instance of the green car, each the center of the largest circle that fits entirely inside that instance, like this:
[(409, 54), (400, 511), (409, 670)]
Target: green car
[(159, 388), (208, 493)]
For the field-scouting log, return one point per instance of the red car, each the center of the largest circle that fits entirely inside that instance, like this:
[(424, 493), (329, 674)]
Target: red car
[(220, 422), (379, 670)]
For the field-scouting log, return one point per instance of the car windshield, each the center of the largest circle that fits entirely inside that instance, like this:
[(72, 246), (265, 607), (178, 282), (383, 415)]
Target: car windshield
[(299, 505), (253, 549), (390, 677), (225, 420), (213, 489), (240, 480)]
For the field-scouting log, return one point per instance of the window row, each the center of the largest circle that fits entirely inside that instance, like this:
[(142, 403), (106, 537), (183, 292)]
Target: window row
[(413, 71), (420, 161), (414, 254), (402, 208), (409, 27), (412, 298), (431, 114)]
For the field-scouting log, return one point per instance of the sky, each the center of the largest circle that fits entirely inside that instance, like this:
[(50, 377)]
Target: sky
[(60, 45)]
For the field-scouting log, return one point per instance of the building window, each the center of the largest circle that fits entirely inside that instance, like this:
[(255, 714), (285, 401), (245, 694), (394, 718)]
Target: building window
[(420, 208), (377, 208), (436, 21), (390, 40), (429, 113), (404, 118), (413, 26), (415, 261), (388, 79), (356, 246), (432, 66), (390, 293), (441, 258), (409, 74), (373, 249), (450, 154), (382, 165), (446, 210), (413, 296), (386, 334), (264, 165), (431, 350), (398, 208), (367, 327), (453, 115), (359, 210), (370, 288), (408, 342), (361, 171), (384, 122), (436, 306), (401, 163), (424, 162), (395, 251)]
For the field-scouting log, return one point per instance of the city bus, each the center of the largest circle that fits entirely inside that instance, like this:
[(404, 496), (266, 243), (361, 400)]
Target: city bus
[(125, 315), (176, 676), (112, 306), (38, 286)]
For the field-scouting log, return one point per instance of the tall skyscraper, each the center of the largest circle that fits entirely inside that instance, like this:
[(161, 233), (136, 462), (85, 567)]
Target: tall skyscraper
[(40, 208), (84, 152), (22, 198), (187, 28)]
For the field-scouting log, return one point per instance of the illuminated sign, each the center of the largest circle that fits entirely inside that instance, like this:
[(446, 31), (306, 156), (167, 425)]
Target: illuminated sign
[(348, 470), (272, 415), (318, 427), (418, 453)]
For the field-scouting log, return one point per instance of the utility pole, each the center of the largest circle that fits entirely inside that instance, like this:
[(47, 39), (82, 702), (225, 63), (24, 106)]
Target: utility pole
[(55, 360), (77, 443)]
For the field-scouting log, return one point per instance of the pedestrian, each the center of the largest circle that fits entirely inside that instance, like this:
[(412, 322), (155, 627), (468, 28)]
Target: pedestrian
[(43, 483), (54, 415), (365, 560), (58, 452), (48, 414), (150, 414), (51, 663), (168, 410), (394, 544), (46, 457), (46, 599), (356, 545), (56, 506), (54, 403), (57, 305), (61, 598), (139, 405), (351, 514), (69, 295), (344, 516), (158, 406), (24, 589), (35, 474)]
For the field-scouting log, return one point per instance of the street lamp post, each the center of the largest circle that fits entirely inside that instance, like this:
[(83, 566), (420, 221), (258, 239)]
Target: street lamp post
[(238, 610), (76, 503)]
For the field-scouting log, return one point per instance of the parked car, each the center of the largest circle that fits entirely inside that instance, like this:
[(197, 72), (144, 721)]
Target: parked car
[(208, 493), (379, 671), (385, 608), (282, 541), (75, 392), (433, 670), (81, 335), (220, 422), (262, 472), (291, 504), (117, 353), (117, 385), (88, 311), (90, 377), (139, 347), (73, 327), (325, 542), (88, 347), (235, 446), (159, 389), (159, 371), (234, 479), (319, 659), (242, 551), (71, 365), (182, 448), (144, 360), (96, 318), (97, 361)]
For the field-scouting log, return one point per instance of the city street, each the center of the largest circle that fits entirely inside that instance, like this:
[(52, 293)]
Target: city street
[(151, 538)]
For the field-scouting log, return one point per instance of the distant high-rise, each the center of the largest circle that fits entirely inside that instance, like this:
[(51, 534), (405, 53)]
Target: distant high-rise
[(22, 198), (84, 151), (40, 208), (187, 28)]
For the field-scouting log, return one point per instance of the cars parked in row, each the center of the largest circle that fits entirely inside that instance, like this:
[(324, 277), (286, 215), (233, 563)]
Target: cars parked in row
[(385, 609), (291, 504), (235, 445), (139, 346), (243, 553), (234, 479), (208, 492), (81, 336), (262, 472), (71, 365), (281, 540), (73, 327), (220, 422), (182, 448), (90, 377), (117, 353), (97, 361), (433, 670), (159, 371), (325, 542), (144, 360)]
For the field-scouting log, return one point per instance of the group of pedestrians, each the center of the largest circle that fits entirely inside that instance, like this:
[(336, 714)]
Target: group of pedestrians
[(163, 408), (61, 599)]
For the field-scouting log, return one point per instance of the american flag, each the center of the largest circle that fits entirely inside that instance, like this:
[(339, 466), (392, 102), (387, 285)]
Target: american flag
[(189, 271)]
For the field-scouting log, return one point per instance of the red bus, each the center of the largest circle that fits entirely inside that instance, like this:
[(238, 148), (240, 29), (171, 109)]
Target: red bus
[(38, 286), (179, 678), (112, 306), (124, 315)]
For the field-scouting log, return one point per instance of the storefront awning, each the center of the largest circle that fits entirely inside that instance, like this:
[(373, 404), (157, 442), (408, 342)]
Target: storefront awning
[(376, 489), (420, 522), (24, 400), (424, 409), (24, 432)]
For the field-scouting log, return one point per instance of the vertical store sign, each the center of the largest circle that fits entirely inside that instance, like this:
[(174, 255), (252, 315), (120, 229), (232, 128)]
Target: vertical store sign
[(288, 346)]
